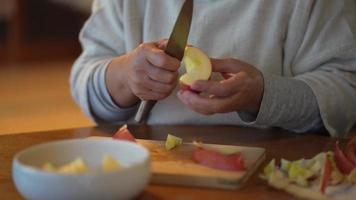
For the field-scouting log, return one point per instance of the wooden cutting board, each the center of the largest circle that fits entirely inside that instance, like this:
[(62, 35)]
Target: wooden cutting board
[(176, 166)]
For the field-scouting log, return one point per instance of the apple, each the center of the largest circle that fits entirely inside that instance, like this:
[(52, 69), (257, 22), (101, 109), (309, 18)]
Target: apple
[(342, 162), (110, 164), (326, 174), (351, 151), (75, 167), (197, 65), (124, 134), (218, 160), (172, 142)]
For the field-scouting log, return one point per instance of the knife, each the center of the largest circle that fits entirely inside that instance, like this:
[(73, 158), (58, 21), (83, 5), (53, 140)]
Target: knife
[(175, 48)]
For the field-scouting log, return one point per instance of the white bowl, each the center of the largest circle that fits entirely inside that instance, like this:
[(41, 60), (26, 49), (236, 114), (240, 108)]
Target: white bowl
[(127, 183)]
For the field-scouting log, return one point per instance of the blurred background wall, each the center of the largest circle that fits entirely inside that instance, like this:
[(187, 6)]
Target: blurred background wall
[(38, 45)]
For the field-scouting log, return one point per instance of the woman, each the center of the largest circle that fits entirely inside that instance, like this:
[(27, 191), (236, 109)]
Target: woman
[(288, 64)]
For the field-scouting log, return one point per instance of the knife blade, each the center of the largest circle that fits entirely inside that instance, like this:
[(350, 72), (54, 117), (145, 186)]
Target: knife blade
[(175, 48)]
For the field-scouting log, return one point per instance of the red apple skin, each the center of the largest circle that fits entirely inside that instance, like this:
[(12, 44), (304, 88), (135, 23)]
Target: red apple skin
[(351, 151), (217, 160), (351, 156), (326, 175), (124, 134), (342, 161), (184, 87)]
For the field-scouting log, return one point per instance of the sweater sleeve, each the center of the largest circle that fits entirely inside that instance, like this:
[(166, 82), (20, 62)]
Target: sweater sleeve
[(101, 39), (320, 50), (287, 103)]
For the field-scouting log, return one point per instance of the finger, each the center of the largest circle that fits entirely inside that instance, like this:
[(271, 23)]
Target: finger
[(159, 58), (156, 86), (139, 89), (204, 105), (162, 75), (162, 44), (151, 95), (229, 65), (190, 99), (147, 94), (226, 75), (223, 88)]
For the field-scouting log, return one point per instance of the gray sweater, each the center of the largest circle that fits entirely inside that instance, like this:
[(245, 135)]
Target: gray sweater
[(306, 50)]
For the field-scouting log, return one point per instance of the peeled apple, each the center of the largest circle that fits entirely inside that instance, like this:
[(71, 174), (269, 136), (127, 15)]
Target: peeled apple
[(197, 65)]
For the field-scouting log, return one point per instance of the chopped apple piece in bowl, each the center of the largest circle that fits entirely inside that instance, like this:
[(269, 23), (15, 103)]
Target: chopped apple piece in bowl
[(82, 169)]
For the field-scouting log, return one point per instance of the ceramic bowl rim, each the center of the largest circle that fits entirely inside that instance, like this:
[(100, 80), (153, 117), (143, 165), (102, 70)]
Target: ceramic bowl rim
[(32, 169)]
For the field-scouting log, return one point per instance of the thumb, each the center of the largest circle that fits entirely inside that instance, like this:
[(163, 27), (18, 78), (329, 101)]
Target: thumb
[(220, 89), (229, 65), (162, 44)]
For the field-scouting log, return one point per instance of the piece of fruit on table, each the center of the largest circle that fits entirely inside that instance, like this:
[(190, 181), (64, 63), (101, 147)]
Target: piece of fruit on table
[(197, 65), (342, 162), (218, 160), (124, 134), (172, 141)]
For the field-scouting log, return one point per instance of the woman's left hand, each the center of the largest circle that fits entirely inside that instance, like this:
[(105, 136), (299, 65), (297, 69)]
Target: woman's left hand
[(241, 90)]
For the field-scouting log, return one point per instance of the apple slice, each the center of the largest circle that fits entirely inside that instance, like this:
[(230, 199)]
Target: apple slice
[(124, 134), (172, 141), (342, 161), (110, 164), (197, 65), (351, 151), (218, 160)]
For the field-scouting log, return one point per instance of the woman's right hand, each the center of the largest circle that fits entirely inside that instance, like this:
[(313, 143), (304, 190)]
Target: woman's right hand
[(146, 73)]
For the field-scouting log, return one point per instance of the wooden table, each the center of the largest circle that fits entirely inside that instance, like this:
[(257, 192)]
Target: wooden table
[(278, 143)]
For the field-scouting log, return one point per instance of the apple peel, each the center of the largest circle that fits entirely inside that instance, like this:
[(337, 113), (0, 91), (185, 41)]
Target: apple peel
[(124, 134), (342, 161), (326, 175), (218, 160), (351, 150)]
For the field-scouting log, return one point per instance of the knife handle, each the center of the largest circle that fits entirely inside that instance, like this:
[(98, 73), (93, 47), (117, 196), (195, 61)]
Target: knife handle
[(144, 110)]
